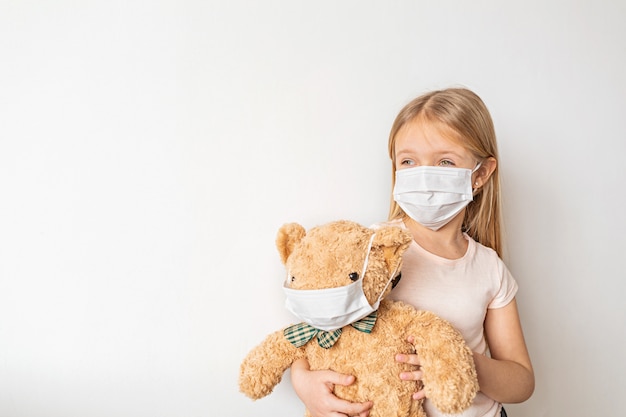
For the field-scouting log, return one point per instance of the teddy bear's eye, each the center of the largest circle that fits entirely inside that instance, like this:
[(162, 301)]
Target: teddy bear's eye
[(396, 280), (293, 279), (354, 276)]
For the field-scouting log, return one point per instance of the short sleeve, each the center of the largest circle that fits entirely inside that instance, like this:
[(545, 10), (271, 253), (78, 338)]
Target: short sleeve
[(508, 288)]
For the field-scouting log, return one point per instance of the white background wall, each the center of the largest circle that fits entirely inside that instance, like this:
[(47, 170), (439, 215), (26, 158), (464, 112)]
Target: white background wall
[(149, 151)]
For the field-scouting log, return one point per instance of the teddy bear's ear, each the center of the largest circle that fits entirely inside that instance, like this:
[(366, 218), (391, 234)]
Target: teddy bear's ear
[(288, 236), (394, 242)]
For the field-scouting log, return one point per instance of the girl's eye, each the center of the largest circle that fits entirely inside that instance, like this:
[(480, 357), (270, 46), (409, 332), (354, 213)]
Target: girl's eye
[(407, 162), (446, 163)]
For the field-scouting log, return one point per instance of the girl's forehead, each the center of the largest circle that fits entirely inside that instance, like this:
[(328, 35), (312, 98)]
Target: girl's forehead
[(420, 133)]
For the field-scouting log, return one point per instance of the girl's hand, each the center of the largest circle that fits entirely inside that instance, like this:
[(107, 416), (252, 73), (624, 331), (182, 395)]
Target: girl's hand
[(315, 389), (411, 359)]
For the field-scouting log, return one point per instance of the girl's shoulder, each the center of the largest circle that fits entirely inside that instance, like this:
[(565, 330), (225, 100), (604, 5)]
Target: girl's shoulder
[(482, 250)]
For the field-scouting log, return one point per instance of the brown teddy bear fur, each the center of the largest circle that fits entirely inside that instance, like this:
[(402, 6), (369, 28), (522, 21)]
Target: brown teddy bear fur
[(324, 258)]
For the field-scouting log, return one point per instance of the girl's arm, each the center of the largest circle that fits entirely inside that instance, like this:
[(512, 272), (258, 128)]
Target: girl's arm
[(315, 389), (508, 375)]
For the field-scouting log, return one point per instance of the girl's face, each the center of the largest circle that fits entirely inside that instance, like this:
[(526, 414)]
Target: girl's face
[(420, 143)]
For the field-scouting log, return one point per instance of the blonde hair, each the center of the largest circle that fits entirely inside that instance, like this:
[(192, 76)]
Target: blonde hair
[(464, 113)]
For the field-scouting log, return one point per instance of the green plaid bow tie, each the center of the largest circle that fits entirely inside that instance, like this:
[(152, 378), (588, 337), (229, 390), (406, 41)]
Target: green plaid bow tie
[(299, 334)]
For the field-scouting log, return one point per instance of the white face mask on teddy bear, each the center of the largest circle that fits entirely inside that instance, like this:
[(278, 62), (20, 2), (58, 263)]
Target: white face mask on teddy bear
[(333, 308)]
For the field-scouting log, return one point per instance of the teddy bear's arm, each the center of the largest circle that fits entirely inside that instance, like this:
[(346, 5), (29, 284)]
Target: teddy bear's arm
[(449, 375), (263, 367)]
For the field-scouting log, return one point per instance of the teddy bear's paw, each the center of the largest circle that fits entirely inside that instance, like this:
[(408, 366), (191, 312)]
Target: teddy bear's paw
[(255, 387), (453, 401), (256, 378)]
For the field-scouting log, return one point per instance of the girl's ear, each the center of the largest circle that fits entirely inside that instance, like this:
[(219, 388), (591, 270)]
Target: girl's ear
[(482, 175), (288, 237)]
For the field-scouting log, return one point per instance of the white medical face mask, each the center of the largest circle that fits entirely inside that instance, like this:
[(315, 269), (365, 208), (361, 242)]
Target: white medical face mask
[(333, 308), (432, 196)]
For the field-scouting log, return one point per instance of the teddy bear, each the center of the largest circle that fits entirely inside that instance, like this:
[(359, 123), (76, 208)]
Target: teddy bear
[(345, 271)]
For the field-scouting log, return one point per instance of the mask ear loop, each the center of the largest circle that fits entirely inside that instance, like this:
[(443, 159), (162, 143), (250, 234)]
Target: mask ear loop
[(369, 249), (393, 274), (475, 183), (367, 256)]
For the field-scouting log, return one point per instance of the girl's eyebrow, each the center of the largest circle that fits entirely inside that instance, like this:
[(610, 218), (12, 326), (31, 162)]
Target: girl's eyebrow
[(449, 153), (446, 152)]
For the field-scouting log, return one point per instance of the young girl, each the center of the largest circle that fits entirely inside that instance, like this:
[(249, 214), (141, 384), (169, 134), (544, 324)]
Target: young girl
[(446, 192)]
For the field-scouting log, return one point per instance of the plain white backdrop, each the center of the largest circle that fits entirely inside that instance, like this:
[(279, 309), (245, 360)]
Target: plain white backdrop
[(149, 151)]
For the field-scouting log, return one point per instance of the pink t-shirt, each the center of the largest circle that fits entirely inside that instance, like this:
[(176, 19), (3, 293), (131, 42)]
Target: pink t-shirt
[(459, 291)]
